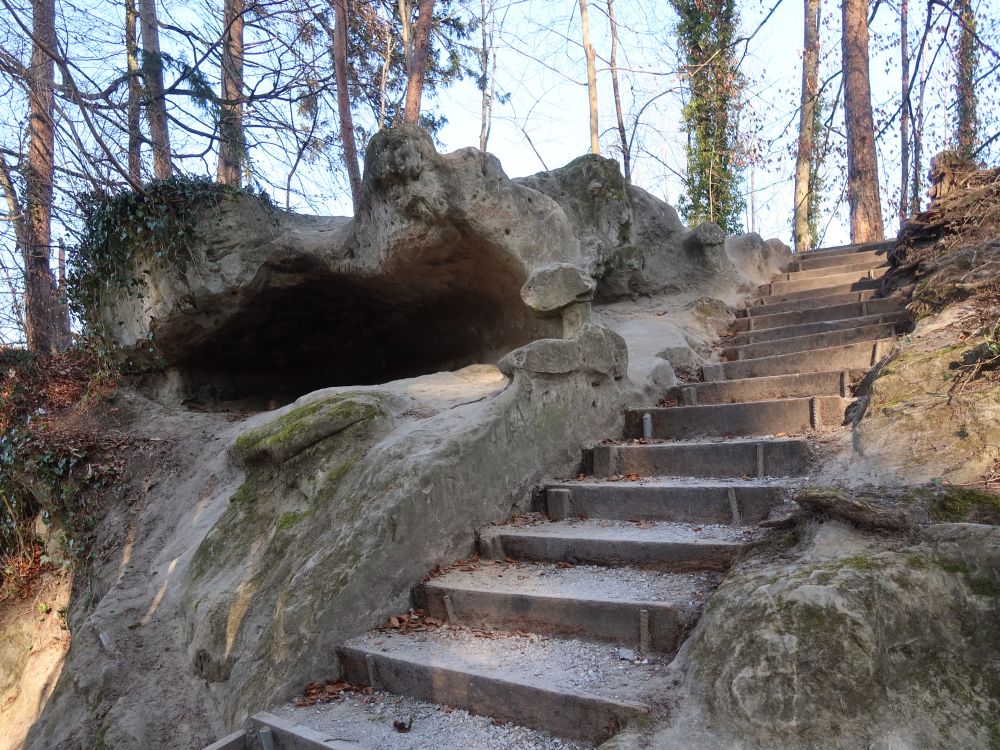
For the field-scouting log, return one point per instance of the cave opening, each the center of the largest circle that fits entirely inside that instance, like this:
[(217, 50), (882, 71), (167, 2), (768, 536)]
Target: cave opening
[(436, 312)]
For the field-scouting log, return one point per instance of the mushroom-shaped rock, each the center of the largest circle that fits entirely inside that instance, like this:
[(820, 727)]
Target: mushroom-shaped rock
[(554, 287)]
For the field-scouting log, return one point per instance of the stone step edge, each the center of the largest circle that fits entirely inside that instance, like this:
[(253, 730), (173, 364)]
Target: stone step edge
[(801, 295), (576, 715), (869, 332), (687, 393), (880, 348), (292, 736), (859, 321), (602, 619), (861, 266), (757, 309)]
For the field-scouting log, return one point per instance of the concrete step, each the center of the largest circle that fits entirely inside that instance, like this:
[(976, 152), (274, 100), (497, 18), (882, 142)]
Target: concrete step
[(581, 602), (810, 261), (734, 458), (675, 499), (572, 688), (860, 247), (859, 356), (825, 340), (758, 309), (790, 415), (654, 546), (759, 335), (288, 734), (796, 385), (807, 282), (818, 313), (851, 265), (812, 294)]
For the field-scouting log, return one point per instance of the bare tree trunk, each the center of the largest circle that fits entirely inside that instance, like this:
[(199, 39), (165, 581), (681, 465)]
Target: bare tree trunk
[(41, 319), (344, 101), (156, 104), (231, 154), (918, 125), (904, 114), (967, 131), (807, 124), (487, 81), (862, 162), (588, 48), (417, 64), (626, 155), (134, 94)]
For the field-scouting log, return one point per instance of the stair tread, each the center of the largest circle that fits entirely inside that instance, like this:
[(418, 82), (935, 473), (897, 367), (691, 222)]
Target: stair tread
[(736, 406), (365, 722), (586, 582), (625, 532), (672, 482), (821, 326), (555, 665)]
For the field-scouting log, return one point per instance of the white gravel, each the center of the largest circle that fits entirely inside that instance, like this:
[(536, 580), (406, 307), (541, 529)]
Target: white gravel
[(368, 720)]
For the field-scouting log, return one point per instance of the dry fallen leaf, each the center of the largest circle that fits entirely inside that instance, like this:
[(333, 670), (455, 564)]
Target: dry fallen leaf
[(402, 726)]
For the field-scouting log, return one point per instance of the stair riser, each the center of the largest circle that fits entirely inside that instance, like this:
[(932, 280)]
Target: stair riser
[(581, 717), (757, 418), (289, 736), (821, 302), (856, 287), (818, 315), (679, 504), (854, 267), (808, 343), (807, 263), (821, 282), (612, 621), (851, 357), (761, 335), (852, 249), (654, 555), (721, 460), (762, 389)]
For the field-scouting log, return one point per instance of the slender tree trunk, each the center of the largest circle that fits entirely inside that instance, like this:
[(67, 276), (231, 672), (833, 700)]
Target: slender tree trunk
[(588, 48), (231, 151), (916, 199), (807, 123), (626, 154), (156, 104), (967, 131), (486, 81), (344, 101), (384, 79), (862, 162), (417, 68), (904, 114), (44, 333), (134, 94)]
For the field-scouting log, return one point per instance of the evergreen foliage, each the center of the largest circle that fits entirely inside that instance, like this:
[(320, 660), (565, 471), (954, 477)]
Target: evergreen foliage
[(706, 30)]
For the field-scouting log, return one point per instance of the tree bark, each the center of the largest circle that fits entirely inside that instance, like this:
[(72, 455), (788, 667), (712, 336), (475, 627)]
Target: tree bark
[(134, 94), (904, 114), (417, 64), (626, 155), (967, 130), (344, 101), (487, 81), (156, 104), (42, 321), (862, 162), (807, 123), (230, 168), (595, 145)]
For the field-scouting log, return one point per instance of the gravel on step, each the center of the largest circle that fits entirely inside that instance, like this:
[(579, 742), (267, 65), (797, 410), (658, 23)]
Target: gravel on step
[(581, 582), (564, 664), (368, 720), (654, 531)]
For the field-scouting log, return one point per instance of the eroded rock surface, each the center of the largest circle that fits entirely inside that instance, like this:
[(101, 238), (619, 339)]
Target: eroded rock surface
[(851, 645), (448, 262)]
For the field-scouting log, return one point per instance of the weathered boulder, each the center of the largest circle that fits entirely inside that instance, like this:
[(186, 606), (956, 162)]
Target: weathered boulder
[(851, 645), (447, 262)]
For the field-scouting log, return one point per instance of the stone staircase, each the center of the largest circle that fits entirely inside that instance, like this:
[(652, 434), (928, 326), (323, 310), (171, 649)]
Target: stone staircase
[(568, 622)]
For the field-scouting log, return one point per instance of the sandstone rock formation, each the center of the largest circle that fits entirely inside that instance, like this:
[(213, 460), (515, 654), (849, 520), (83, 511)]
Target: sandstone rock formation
[(851, 645), (448, 262)]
